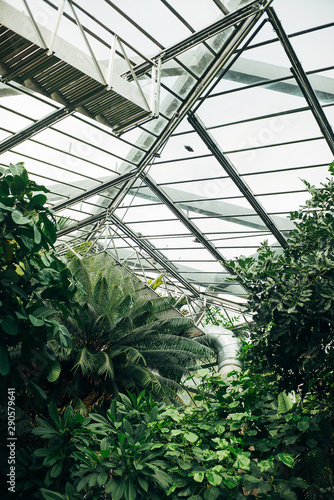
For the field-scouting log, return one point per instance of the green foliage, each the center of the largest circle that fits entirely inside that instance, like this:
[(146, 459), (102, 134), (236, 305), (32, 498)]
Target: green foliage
[(120, 342), (291, 297), (35, 285), (237, 442), (215, 316)]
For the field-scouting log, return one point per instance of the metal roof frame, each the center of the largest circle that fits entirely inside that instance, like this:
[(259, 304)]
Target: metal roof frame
[(134, 179)]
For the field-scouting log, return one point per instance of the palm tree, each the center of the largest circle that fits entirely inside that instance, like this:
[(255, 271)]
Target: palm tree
[(121, 342)]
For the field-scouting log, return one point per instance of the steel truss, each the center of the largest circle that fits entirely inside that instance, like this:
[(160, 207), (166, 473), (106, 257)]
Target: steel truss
[(143, 256)]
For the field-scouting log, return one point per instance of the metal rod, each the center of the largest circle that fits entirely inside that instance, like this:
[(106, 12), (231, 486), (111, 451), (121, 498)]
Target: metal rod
[(186, 221), (33, 129), (96, 64), (55, 29), (134, 76), (229, 47), (38, 32), (93, 191), (111, 62), (234, 175), (303, 81), (230, 64), (157, 256)]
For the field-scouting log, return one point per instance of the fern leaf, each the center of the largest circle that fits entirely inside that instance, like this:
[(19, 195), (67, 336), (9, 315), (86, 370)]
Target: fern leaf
[(85, 361), (105, 363)]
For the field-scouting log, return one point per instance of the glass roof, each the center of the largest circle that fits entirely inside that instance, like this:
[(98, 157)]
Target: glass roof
[(174, 135)]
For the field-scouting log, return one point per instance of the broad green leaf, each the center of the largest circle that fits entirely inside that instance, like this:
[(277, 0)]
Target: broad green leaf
[(19, 218), (184, 465), (9, 326), (54, 371), (298, 482), (16, 169), (212, 493), (251, 479), (4, 190), (37, 389), (54, 414), (78, 418), (163, 479), (36, 321), (214, 478), (125, 400), (44, 426), (7, 250), (49, 227), (82, 483), (143, 482), (42, 452), (116, 488), (69, 490), (105, 453), (230, 483), (102, 478), (63, 330), (37, 235), (127, 427), (51, 495), (56, 470), (186, 492), (242, 462), (191, 437), (17, 185), (100, 419), (130, 490), (38, 199), (303, 425), (198, 476), (43, 312), (68, 416), (264, 465), (312, 443), (19, 269), (28, 242), (286, 459)]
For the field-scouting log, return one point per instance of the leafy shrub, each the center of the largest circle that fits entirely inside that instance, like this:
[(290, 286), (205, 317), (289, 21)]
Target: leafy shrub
[(291, 297), (35, 284), (243, 439)]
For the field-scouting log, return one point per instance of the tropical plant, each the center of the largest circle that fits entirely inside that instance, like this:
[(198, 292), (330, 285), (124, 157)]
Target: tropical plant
[(242, 440), (34, 283), (215, 316), (121, 342), (291, 297)]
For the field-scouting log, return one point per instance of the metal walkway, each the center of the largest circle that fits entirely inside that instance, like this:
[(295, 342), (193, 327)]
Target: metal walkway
[(68, 75)]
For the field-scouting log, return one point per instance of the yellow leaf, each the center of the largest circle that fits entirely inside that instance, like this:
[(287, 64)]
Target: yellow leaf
[(19, 269)]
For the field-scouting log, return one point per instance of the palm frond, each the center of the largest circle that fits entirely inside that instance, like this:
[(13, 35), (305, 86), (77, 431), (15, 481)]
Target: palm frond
[(178, 325), (167, 382), (105, 364), (130, 354), (144, 378), (81, 274), (101, 295), (120, 342), (121, 326), (169, 356), (167, 341), (85, 361), (312, 466)]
